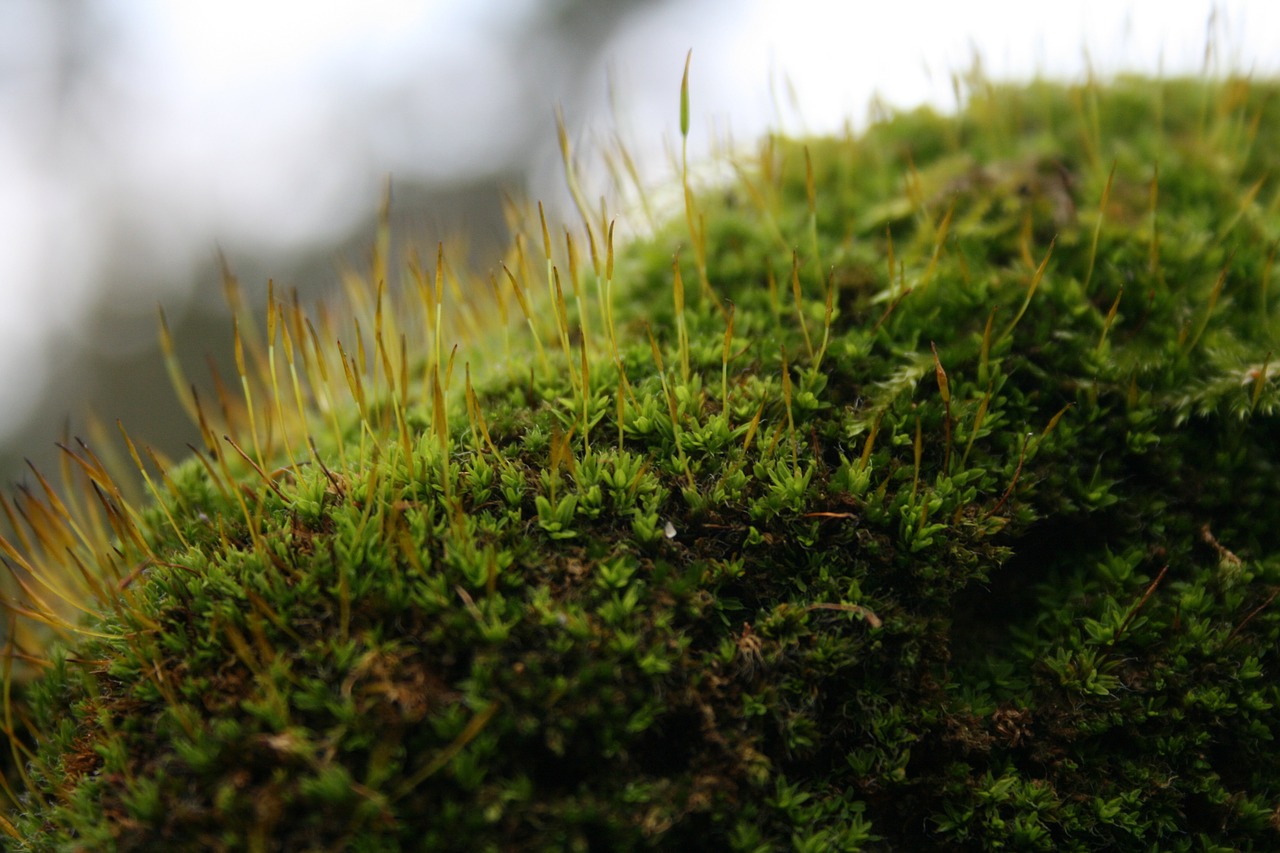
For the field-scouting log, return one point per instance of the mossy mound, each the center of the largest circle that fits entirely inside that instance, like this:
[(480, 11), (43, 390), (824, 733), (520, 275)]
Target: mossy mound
[(927, 501)]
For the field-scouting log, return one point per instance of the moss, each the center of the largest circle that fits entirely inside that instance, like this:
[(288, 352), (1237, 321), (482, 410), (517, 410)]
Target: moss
[(925, 500)]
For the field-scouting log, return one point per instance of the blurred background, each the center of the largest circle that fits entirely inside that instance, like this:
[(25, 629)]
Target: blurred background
[(140, 139)]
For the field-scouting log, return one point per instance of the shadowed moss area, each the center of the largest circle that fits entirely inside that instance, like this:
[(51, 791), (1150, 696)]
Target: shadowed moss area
[(911, 491)]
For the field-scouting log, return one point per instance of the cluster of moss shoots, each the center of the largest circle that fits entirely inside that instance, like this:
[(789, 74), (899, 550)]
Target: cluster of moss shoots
[(913, 490)]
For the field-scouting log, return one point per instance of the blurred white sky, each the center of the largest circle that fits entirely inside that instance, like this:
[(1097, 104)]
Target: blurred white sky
[(265, 126)]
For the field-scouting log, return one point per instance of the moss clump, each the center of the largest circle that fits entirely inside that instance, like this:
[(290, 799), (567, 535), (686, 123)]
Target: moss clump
[(927, 500)]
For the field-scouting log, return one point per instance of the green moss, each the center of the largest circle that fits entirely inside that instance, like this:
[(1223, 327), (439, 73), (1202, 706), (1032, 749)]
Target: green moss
[(927, 502)]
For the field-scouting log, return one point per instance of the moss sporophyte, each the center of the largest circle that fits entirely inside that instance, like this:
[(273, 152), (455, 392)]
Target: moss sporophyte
[(914, 490)]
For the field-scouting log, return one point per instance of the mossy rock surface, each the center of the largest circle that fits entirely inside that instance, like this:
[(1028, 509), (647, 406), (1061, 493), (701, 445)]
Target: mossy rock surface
[(927, 500)]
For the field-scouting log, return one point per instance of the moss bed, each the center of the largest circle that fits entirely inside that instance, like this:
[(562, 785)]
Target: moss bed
[(914, 490)]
